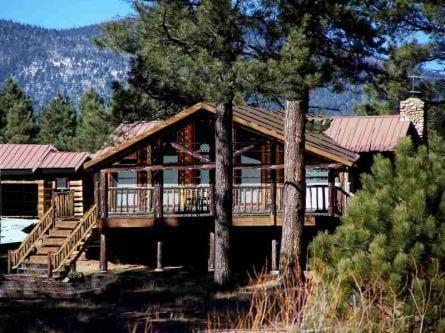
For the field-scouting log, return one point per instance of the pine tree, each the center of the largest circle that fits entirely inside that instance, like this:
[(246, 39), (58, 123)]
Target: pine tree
[(57, 123), (394, 227), (93, 123), (186, 52), (20, 126), (405, 69), (13, 97), (330, 43), (403, 75)]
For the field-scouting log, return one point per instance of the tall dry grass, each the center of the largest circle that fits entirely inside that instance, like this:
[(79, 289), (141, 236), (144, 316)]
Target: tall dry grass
[(282, 305)]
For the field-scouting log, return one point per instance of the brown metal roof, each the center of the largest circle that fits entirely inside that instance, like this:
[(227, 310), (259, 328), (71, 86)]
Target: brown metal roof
[(124, 132), (64, 160), (30, 157), (23, 156), (273, 120), (268, 122), (368, 133)]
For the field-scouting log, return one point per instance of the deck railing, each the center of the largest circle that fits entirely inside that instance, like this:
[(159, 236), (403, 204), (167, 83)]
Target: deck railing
[(196, 200), (251, 199), (186, 200), (130, 200)]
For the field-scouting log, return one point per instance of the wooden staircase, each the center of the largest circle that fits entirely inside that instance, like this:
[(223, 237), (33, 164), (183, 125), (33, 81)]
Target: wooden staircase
[(56, 242)]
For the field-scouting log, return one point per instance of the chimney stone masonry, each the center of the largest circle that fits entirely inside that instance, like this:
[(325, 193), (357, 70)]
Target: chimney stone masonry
[(413, 109)]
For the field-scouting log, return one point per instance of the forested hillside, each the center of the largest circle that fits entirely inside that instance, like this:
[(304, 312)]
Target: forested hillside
[(44, 61)]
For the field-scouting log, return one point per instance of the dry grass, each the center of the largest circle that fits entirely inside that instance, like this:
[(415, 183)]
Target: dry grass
[(326, 306), (88, 267)]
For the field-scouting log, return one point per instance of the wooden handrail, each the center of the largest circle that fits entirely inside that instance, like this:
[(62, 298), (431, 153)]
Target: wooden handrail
[(86, 224), (247, 198), (61, 204), (16, 257)]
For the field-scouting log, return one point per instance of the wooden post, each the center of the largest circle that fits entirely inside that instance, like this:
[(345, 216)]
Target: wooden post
[(273, 186), (212, 179), (9, 261), (50, 265), (211, 262), (103, 265), (274, 263), (104, 195), (331, 192), (141, 178), (158, 181), (73, 266), (159, 267), (97, 194)]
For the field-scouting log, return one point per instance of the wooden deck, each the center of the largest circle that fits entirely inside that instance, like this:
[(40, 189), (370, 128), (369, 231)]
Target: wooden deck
[(237, 221), (252, 205)]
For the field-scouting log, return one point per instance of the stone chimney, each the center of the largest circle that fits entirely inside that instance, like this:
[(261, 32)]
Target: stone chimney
[(413, 109)]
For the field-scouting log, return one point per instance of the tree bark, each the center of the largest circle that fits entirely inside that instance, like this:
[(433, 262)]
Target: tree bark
[(294, 190), (223, 192)]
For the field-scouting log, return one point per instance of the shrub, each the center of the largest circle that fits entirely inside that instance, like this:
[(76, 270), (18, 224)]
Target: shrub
[(392, 238)]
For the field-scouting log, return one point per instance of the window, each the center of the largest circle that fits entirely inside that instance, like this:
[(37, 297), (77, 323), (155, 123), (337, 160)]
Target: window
[(170, 175), (250, 176), (62, 184), (126, 179), (126, 197)]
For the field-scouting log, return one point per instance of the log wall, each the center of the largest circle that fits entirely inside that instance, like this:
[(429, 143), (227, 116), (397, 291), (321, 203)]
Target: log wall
[(77, 187)]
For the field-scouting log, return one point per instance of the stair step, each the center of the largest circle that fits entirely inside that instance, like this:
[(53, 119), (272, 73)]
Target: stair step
[(66, 225), (51, 241), (47, 249), (32, 265), (38, 259), (59, 232), (69, 218)]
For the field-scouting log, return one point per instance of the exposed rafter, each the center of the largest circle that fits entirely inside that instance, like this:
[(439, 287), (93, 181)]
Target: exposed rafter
[(192, 153)]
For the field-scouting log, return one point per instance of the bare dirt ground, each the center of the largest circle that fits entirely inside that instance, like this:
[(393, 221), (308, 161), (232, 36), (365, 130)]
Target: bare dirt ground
[(139, 300)]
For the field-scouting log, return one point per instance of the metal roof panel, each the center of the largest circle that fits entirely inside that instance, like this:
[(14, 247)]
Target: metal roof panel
[(368, 133)]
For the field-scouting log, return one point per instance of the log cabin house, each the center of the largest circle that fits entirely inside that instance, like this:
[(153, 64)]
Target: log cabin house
[(155, 183), (159, 176), (30, 173)]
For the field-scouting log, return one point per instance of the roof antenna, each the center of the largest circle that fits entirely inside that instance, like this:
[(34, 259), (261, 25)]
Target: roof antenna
[(413, 90)]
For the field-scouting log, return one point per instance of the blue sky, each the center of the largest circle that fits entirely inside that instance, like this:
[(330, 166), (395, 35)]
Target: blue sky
[(62, 14)]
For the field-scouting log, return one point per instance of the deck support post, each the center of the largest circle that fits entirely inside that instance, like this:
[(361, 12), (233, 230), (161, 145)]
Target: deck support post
[(50, 265), (274, 258), (158, 181), (331, 192), (9, 261), (104, 195), (159, 267), (211, 262), (273, 186), (103, 265)]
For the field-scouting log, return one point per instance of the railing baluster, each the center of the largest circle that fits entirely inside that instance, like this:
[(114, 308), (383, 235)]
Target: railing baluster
[(196, 200)]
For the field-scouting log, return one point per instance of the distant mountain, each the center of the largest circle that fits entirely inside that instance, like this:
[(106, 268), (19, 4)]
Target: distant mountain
[(45, 61)]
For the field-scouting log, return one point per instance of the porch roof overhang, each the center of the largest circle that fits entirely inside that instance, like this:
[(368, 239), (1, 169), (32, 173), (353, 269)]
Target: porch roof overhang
[(267, 122)]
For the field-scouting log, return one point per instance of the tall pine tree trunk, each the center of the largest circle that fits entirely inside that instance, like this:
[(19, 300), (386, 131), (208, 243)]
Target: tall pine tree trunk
[(294, 189), (223, 192)]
